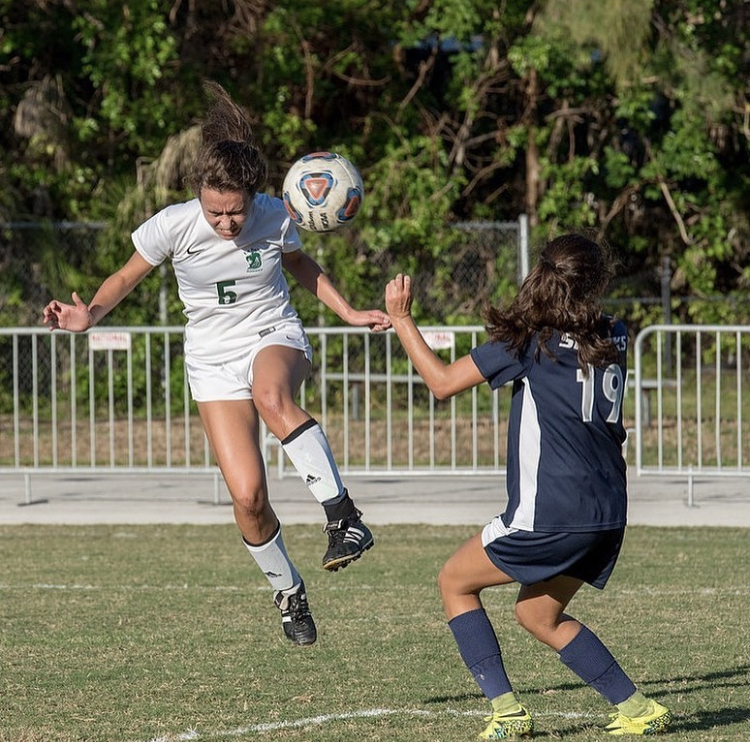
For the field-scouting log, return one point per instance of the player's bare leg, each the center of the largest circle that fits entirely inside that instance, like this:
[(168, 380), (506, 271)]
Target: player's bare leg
[(232, 428), (540, 609), (466, 573), (278, 372)]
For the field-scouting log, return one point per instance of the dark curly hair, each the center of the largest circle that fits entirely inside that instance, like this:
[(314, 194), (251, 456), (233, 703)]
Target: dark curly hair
[(229, 159), (562, 293)]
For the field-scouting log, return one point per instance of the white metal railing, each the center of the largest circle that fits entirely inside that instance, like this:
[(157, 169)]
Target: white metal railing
[(697, 378), (116, 400)]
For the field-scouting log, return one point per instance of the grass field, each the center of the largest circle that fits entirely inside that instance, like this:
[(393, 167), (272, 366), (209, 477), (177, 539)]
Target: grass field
[(136, 633)]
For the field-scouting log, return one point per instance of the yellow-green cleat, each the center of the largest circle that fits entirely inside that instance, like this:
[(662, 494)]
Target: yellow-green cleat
[(509, 726), (655, 721)]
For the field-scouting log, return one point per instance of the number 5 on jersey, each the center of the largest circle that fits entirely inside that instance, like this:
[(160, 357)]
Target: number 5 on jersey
[(225, 295)]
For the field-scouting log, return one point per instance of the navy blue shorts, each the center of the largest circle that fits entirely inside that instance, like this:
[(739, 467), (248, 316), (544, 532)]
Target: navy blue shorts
[(530, 557)]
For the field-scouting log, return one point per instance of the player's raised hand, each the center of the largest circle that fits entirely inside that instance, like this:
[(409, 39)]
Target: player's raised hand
[(73, 317), (398, 296)]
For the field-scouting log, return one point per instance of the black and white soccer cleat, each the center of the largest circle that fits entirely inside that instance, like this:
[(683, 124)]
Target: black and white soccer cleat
[(348, 536), (296, 619)]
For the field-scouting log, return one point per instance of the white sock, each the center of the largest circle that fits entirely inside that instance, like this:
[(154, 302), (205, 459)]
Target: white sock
[(307, 448), (273, 561)]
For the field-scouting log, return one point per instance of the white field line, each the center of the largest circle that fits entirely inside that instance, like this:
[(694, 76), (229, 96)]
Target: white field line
[(697, 590), (192, 735)]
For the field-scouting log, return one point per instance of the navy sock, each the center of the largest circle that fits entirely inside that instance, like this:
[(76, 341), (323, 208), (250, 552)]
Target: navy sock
[(588, 658), (480, 651)]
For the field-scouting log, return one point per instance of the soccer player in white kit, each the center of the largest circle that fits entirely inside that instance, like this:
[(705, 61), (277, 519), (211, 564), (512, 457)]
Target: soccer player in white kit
[(566, 478), (246, 353)]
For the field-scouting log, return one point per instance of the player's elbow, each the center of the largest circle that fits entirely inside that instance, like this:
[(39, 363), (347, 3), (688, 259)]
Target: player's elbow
[(444, 381), (440, 391)]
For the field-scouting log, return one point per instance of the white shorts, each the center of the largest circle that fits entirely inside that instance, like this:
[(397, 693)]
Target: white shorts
[(211, 382)]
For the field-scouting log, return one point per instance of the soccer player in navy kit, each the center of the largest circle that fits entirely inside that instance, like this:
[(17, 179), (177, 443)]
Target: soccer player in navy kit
[(566, 477), (246, 353)]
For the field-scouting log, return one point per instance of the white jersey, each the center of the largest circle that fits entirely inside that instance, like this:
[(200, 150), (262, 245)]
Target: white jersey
[(232, 289)]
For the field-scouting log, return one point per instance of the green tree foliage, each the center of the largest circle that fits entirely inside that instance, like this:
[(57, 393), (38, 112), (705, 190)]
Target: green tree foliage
[(628, 118), (666, 140)]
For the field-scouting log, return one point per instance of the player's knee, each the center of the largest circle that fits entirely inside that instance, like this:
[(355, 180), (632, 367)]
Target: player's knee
[(445, 582), (540, 627), (525, 619), (251, 500), (272, 403), (441, 580)]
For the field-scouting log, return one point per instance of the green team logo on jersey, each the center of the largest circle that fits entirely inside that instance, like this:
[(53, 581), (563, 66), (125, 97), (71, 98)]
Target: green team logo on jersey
[(253, 261)]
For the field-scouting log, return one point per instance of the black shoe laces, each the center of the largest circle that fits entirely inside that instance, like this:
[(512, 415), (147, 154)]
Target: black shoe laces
[(298, 607)]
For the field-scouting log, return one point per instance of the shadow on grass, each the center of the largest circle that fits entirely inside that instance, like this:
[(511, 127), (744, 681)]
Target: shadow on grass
[(456, 699), (735, 677), (704, 720), (740, 674)]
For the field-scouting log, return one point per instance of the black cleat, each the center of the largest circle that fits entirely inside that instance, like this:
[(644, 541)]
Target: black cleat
[(348, 539), (296, 619)]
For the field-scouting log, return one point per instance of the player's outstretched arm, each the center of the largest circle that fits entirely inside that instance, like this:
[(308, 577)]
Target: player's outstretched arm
[(314, 279), (443, 380), (79, 316)]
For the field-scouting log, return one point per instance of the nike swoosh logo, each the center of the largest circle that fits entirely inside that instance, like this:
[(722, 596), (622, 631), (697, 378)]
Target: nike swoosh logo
[(192, 251)]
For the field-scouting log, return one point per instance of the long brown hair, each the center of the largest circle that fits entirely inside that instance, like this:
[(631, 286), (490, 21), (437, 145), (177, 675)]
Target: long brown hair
[(562, 293), (229, 159)]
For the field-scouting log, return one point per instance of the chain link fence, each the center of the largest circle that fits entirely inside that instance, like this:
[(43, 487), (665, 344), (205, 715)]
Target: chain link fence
[(486, 259), (35, 259)]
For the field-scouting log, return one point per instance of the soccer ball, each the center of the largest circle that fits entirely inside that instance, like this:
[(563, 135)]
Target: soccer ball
[(322, 191)]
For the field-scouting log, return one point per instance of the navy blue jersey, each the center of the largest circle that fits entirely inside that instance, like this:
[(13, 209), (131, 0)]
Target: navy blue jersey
[(566, 471)]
